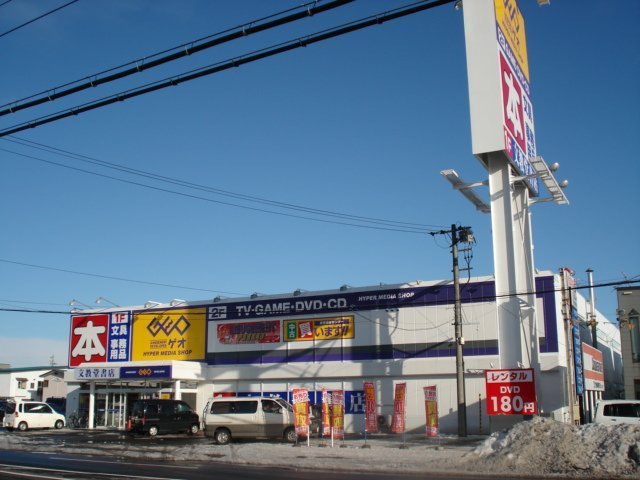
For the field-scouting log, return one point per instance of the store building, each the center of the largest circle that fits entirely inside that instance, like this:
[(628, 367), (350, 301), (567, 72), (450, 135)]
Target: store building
[(337, 339), (629, 317)]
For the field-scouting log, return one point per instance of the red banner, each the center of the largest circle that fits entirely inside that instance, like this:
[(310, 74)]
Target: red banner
[(249, 332), (431, 410), (399, 402), (301, 411), (370, 414), (337, 413), (326, 415)]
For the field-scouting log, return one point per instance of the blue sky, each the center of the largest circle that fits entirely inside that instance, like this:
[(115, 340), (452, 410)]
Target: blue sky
[(360, 124)]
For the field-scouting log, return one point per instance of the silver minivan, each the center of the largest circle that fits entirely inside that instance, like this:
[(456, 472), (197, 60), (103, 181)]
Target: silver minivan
[(614, 412), (26, 414), (226, 418)]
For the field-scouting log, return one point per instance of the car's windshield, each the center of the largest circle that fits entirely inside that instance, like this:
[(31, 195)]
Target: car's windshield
[(10, 408), (284, 403)]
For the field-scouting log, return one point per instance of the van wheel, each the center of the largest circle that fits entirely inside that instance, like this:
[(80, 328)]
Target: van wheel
[(22, 426), (153, 431), (290, 435), (59, 424), (195, 428), (222, 436)]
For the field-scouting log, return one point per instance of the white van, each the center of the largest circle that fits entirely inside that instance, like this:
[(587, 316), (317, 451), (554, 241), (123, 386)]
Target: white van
[(26, 414), (613, 412), (225, 418)]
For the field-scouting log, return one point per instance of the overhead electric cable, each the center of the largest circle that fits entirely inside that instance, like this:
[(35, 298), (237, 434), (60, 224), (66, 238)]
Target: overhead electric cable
[(225, 65), (37, 18), (246, 207), (180, 51), (5, 2), (364, 307), (122, 279), (216, 191)]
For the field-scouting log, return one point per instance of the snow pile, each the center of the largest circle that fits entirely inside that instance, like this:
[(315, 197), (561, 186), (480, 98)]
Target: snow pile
[(545, 446)]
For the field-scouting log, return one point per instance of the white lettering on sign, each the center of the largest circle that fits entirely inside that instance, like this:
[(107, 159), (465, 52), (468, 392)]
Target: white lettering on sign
[(513, 106), (89, 343)]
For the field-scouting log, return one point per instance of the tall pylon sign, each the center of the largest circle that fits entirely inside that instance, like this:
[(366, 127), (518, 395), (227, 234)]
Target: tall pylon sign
[(503, 139)]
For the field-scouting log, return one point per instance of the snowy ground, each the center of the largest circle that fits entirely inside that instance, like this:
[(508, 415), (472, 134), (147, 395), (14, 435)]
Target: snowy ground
[(540, 447)]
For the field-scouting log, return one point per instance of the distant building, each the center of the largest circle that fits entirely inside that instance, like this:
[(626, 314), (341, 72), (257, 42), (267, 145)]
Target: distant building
[(53, 384), (26, 383), (629, 318)]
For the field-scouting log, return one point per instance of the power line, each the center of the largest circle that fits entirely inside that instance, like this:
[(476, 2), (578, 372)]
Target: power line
[(122, 279), (37, 18), (180, 51), (363, 307), (407, 229), (5, 2), (175, 181), (228, 64)]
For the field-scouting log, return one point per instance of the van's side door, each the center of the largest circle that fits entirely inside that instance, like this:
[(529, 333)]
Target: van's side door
[(273, 418)]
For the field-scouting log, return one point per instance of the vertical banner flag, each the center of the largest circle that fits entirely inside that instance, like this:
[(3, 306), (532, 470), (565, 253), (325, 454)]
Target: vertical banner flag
[(399, 401), (431, 410), (337, 413), (301, 411), (370, 417), (326, 417)]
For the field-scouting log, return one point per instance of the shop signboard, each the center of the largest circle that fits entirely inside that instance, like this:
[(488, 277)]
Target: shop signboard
[(95, 373), (100, 338), (399, 408), (370, 410), (149, 371), (431, 410), (319, 329), (499, 88), (593, 368), (168, 334), (511, 392), (249, 332)]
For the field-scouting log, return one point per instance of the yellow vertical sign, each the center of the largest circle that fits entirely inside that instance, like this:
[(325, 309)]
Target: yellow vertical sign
[(511, 24), (169, 335)]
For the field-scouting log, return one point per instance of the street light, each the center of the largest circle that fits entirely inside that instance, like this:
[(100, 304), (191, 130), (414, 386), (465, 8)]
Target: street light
[(74, 302)]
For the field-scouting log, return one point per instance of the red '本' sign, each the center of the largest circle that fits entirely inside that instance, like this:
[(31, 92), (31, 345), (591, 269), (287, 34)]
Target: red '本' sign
[(511, 392)]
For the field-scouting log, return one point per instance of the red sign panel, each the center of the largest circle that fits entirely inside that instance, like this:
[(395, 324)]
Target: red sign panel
[(370, 417), (511, 392), (399, 403), (88, 339)]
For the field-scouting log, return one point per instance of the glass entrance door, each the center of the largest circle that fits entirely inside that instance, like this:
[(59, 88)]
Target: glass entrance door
[(116, 411)]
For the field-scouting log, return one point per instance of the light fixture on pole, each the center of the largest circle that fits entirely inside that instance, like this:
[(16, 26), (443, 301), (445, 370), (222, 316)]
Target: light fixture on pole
[(151, 304), (467, 189), (176, 301), (100, 300), (75, 302)]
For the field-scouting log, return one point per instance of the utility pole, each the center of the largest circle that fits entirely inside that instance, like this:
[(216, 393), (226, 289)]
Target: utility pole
[(458, 234)]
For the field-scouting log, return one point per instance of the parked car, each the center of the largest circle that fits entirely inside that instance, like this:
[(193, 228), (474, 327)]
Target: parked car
[(153, 417), (3, 404), (226, 418), (26, 414), (59, 404), (613, 412)]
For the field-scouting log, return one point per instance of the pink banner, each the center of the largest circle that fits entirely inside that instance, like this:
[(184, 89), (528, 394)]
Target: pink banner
[(301, 411), (337, 413), (326, 415)]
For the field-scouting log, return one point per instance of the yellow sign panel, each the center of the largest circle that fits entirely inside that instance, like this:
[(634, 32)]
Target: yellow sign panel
[(319, 329), (511, 23), (169, 335)]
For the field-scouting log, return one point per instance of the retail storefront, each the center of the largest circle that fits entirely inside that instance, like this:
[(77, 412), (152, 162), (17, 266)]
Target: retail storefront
[(333, 340)]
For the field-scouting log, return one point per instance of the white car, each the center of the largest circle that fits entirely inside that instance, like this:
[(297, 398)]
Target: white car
[(614, 412), (26, 414)]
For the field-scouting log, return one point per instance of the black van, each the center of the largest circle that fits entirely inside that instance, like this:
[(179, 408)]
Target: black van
[(163, 416)]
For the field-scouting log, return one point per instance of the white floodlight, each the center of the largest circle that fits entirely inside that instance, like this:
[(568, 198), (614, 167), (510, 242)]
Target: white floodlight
[(542, 3), (176, 301), (151, 304), (543, 172), (100, 300), (76, 302), (466, 189)]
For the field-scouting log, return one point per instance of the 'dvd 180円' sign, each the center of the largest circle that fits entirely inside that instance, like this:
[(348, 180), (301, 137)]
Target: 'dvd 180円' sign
[(511, 392)]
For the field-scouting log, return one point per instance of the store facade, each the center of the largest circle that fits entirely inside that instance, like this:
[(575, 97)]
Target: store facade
[(334, 340)]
